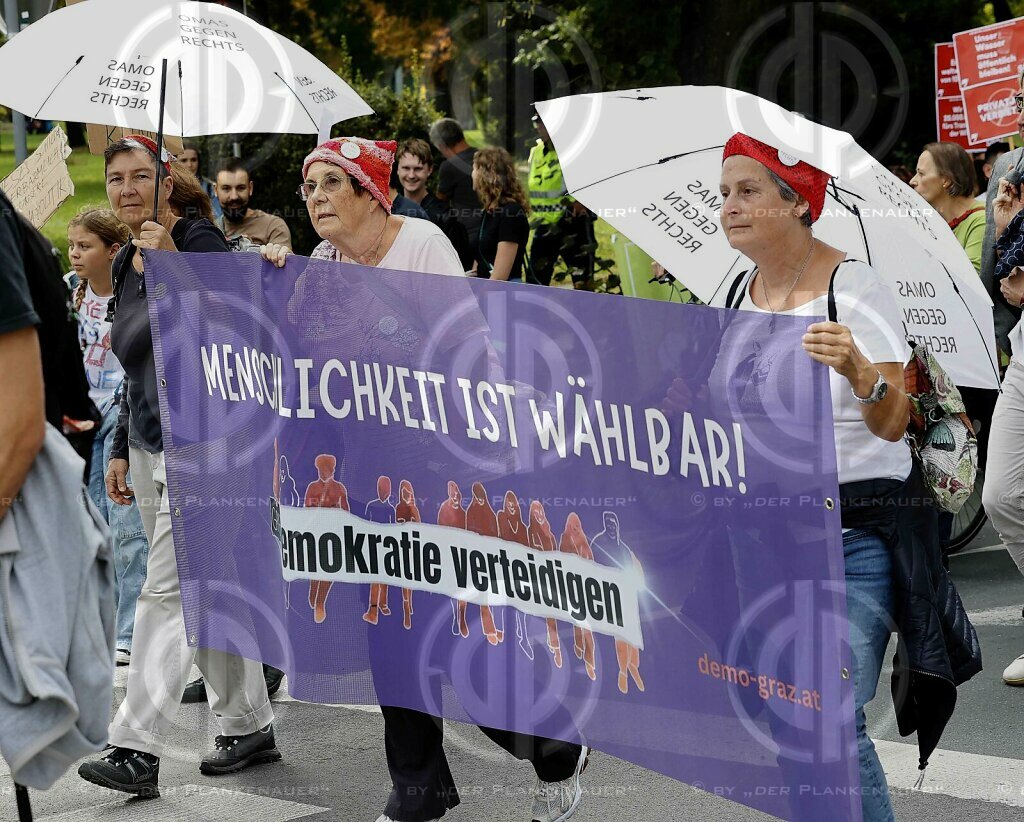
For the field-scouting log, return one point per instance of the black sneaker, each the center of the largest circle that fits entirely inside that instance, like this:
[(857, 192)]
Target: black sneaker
[(234, 753), (123, 769), (195, 691), (273, 678)]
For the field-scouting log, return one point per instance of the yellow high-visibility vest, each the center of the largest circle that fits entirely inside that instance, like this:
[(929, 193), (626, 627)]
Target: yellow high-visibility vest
[(547, 190)]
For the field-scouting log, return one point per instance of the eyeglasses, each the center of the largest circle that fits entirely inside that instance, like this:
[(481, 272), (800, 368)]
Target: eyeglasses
[(328, 185), (1018, 101)]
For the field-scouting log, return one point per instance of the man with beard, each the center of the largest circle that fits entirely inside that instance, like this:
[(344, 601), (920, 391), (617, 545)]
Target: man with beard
[(234, 190)]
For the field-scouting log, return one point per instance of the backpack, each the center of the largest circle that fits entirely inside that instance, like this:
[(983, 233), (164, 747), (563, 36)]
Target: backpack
[(69, 408), (940, 433)]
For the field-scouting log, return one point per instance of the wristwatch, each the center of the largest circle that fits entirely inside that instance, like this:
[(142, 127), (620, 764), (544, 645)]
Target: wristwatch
[(878, 392)]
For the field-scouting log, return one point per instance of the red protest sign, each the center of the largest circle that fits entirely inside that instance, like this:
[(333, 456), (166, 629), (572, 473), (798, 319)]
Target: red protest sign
[(951, 125), (990, 53), (990, 110), (947, 77)]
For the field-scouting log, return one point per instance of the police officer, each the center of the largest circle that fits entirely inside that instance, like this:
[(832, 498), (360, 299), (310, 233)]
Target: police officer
[(562, 227)]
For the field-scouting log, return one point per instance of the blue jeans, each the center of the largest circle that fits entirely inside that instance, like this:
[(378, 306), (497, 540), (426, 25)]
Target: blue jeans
[(869, 595), (128, 537)]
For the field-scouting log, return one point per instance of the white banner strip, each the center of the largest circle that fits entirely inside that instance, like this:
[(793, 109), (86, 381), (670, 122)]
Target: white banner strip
[(334, 545)]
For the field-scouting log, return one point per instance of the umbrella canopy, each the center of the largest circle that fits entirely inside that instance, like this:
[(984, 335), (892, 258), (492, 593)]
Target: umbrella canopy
[(649, 161), (100, 61)]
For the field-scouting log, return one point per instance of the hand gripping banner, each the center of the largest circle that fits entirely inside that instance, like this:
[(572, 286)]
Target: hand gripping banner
[(579, 516)]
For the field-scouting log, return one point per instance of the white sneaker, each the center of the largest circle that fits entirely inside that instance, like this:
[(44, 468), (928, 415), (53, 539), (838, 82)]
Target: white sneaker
[(1014, 673), (557, 801)]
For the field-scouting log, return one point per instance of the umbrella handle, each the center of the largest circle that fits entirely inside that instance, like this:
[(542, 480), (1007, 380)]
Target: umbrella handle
[(160, 139)]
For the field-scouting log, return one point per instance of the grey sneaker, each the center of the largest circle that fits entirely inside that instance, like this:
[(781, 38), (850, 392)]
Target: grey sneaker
[(557, 801)]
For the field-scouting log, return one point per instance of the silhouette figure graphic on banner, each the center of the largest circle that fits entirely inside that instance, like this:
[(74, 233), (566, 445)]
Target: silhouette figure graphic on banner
[(481, 519), (608, 545), (323, 492), (452, 515), (382, 511), (286, 493), (541, 539), (574, 541), (406, 511), (512, 529)]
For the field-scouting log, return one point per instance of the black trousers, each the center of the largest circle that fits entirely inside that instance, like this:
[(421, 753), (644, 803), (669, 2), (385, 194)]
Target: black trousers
[(572, 239), (422, 784)]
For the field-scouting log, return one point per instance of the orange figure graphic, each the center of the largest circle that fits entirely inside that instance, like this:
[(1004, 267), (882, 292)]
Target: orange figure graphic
[(323, 492), (574, 541), (541, 539), (480, 519), (452, 515), (609, 545), (406, 511), (512, 529), (379, 510)]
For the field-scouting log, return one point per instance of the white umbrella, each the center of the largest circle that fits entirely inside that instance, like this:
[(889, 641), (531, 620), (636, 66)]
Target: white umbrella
[(100, 62), (648, 161)]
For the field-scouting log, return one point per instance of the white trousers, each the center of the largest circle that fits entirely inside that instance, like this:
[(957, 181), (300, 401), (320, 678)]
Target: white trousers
[(161, 658), (1003, 495)]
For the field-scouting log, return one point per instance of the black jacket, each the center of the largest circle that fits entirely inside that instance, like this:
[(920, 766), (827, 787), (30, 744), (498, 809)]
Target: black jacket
[(937, 647)]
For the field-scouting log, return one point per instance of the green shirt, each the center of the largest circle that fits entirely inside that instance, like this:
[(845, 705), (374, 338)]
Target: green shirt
[(970, 232)]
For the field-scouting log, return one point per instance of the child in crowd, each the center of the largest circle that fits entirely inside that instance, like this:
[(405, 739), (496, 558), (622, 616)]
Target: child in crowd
[(94, 237)]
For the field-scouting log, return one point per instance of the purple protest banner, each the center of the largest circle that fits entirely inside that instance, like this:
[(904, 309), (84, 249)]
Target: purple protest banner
[(595, 519)]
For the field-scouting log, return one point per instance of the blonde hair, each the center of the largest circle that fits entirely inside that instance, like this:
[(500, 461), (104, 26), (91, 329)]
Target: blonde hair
[(105, 224), (497, 182), (188, 200)]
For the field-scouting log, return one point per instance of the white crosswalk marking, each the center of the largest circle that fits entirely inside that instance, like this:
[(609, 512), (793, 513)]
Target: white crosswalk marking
[(1005, 615), (954, 773), (195, 802)]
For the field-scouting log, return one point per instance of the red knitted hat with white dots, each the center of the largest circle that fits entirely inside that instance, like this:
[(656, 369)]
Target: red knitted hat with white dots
[(369, 161), (806, 180)]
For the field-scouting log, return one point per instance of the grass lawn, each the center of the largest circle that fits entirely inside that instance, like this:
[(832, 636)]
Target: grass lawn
[(87, 173)]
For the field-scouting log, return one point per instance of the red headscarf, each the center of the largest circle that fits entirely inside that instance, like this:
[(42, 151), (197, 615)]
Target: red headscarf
[(140, 141), (806, 180)]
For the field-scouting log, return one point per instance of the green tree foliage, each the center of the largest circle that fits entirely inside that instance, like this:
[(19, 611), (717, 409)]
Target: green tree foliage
[(836, 64)]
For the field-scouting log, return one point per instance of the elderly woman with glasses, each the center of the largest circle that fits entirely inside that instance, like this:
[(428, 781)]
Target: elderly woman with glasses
[(345, 188)]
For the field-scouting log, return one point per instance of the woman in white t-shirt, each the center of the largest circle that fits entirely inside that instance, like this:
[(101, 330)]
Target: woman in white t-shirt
[(345, 188), (94, 238), (770, 203)]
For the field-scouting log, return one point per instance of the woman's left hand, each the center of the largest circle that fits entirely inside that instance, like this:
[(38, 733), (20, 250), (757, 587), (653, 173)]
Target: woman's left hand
[(832, 344), (155, 236), (1012, 287)]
